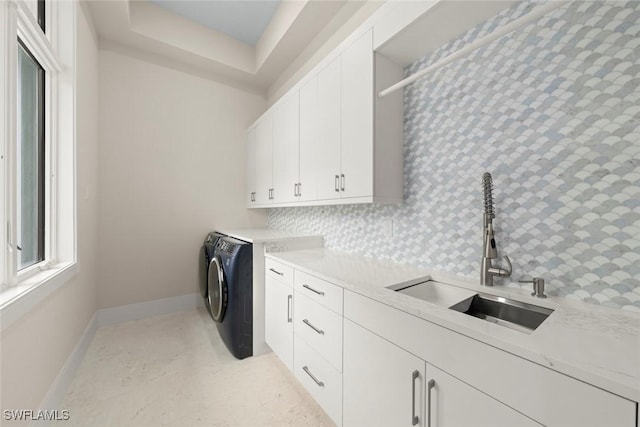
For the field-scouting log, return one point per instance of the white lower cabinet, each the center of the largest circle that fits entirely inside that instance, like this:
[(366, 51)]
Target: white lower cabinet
[(278, 322), (382, 383), (385, 385), (452, 403), (320, 378), (368, 364)]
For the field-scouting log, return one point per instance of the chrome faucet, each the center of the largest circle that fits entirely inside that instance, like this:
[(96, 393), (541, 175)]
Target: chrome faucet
[(489, 251)]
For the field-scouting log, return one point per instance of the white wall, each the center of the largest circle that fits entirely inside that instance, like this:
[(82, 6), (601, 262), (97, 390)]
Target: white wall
[(35, 347), (171, 169)]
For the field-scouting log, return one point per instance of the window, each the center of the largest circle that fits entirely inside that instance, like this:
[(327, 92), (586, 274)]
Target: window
[(37, 152), (30, 159)]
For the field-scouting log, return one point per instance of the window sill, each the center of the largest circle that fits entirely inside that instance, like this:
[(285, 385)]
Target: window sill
[(19, 300)]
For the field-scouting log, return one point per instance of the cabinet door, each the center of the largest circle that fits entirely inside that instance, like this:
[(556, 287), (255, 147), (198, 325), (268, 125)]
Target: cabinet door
[(285, 149), (264, 161), (328, 160), (309, 140), (357, 118), (456, 404), (383, 385), (251, 166), (278, 320)]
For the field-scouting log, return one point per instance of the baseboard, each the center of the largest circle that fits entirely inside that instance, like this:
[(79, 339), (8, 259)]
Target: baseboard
[(103, 317), (125, 313), (54, 397)]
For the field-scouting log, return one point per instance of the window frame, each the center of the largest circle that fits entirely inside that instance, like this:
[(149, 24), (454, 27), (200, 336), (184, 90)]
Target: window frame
[(55, 51)]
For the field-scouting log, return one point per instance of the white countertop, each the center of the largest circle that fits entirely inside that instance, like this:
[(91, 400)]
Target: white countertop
[(263, 235), (598, 345)]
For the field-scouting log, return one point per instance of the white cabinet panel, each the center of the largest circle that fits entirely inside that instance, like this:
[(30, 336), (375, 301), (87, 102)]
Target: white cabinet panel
[(455, 404), (251, 167), (379, 384), (320, 327), (309, 140), (264, 160), (320, 379), (285, 149), (318, 290), (357, 118), (278, 328), (328, 159), (278, 271)]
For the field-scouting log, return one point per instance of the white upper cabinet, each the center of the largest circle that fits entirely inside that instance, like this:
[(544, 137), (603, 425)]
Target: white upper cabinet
[(357, 143), (251, 166), (309, 141), (264, 161), (328, 160), (286, 137), (334, 140)]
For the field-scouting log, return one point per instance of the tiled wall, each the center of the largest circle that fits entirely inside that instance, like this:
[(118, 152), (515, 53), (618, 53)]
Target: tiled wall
[(553, 112)]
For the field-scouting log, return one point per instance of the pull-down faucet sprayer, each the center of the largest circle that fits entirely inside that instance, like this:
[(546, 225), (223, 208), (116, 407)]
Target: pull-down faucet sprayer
[(489, 251)]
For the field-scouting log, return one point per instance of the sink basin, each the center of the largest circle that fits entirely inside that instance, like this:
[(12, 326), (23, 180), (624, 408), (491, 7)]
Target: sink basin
[(436, 292), (514, 314)]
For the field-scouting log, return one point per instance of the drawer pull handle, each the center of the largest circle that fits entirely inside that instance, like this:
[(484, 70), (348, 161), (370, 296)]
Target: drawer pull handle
[(317, 381), (430, 386), (306, 322), (277, 272), (289, 300), (414, 418), (313, 290)]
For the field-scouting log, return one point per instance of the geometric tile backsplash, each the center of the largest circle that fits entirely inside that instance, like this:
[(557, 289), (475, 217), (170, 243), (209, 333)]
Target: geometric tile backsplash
[(553, 112)]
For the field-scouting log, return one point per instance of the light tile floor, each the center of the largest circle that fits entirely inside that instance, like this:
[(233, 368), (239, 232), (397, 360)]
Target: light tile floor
[(174, 370)]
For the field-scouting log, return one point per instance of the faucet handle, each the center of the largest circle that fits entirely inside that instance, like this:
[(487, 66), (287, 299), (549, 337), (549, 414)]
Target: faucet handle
[(538, 287)]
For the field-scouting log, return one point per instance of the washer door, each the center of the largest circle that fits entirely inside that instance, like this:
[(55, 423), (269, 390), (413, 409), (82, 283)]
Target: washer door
[(217, 295)]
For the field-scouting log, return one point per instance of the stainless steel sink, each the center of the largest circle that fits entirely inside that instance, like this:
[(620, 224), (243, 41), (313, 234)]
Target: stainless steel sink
[(434, 292), (514, 314)]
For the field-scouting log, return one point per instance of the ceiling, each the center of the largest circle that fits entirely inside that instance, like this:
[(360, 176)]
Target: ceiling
[(249, 43), (242, 20)]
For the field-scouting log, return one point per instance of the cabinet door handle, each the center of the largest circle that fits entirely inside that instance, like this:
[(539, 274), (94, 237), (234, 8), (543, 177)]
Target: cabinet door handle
[(430, 386), (289, 300), (313, 290), (295, 190), (319, 331), (277, 272), (337, 183), (317, 381), (342, 182), (299, 189), (414, 418)]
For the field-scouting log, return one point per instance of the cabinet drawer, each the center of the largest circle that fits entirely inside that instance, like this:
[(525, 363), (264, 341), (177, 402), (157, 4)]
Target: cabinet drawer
[(320, 291), (282, 273), (320, 327), (320, 379)]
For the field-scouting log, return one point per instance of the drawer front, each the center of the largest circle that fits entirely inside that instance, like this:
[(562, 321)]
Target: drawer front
[(320, 379), (278, 271), (320, 327), (320, 291)]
